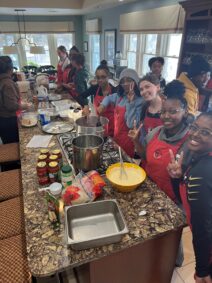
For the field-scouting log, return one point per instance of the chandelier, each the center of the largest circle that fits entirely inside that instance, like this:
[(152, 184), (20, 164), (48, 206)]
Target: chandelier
[(12, 49)]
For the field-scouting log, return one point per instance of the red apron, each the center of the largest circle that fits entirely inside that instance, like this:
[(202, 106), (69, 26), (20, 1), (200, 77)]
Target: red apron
[(109, 112), (121, 130), (65, 75), (157, 160), (151, 123), (59, 74)]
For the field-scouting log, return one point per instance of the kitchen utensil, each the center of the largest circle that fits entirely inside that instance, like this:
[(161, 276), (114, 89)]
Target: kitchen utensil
[(57, 128), (94, 224), (87, 152), (88, 125), (42, 91), (135, 176), (123, 173), (29, 119), (98, 124)]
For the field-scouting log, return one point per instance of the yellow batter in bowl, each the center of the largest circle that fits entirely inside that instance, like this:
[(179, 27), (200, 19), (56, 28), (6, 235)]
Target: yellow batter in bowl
[(135, 176)]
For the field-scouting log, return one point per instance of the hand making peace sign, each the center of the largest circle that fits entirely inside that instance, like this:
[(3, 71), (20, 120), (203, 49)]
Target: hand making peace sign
[(175, 166), (135, 132), (131, 93)]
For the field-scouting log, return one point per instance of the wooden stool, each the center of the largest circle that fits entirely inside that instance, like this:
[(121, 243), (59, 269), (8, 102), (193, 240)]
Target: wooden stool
[(9, 152), (11, 218), (13, 260), (10, 185)]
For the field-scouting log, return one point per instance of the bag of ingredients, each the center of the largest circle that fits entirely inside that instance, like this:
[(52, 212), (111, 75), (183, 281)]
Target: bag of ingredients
[(93, 184), (75, 194)]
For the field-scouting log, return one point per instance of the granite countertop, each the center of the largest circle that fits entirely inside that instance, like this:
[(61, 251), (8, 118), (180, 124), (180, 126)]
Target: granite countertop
[(47, 251)]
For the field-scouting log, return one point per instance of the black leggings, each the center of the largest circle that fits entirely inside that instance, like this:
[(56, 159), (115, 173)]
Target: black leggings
[(9, 129)]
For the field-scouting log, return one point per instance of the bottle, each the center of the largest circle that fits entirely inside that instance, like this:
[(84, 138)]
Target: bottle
[(53, 203), (42, 173), (42, 158), (66, 175), (44, 151), (58, 153), (52, 157), (53, 170)]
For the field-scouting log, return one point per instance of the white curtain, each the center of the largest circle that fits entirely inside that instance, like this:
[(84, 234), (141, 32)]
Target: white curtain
[(169, 19)]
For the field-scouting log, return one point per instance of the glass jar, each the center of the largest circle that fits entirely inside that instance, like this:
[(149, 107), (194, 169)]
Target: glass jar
[(42, 173), (59, 156), (53, 158), (44, 151), (42, 158), (53, 170), (66, 175)]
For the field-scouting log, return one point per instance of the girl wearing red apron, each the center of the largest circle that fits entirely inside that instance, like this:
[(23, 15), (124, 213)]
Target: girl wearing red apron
[(149, 87), (62, 64), (196, 192), (128, 104), (161, 140), (98, 92), (79, 80)]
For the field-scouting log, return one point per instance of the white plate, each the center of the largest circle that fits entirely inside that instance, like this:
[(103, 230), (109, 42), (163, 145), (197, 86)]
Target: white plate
[(57, 128)]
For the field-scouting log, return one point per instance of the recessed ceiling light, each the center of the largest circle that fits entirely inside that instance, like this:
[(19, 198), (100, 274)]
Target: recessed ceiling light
[(121, 0)]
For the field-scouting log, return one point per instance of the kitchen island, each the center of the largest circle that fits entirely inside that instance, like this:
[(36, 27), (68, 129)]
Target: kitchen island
[(146, 254)]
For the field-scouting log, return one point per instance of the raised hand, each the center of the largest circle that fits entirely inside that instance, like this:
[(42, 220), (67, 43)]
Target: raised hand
[(131, 93), (175, 166), (86, 110), (135, 132)]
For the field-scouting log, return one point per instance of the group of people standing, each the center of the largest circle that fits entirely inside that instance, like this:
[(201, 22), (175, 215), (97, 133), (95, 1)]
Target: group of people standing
[(160, 122)]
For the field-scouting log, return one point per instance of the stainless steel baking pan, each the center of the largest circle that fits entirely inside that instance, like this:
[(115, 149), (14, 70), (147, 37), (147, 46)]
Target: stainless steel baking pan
[(94, 224), (57, 128)]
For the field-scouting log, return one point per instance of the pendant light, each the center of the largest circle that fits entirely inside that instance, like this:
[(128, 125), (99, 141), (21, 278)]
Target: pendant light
[(12, 49)]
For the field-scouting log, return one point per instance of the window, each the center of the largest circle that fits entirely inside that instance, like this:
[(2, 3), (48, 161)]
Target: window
[(171, 56), (8, 39), (38, 59), (94, 50), (65, 39), (131, 52), (50, 42), (139, 48)]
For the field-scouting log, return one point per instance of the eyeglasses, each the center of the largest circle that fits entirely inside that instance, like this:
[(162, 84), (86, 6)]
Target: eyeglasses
[(101, 78), (202, 132), (171, 111)]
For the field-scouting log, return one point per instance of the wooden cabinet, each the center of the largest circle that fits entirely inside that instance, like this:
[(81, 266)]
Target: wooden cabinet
[(197, 34)]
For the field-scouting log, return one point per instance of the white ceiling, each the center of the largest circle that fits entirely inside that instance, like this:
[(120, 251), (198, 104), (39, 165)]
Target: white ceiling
[(57, 8)]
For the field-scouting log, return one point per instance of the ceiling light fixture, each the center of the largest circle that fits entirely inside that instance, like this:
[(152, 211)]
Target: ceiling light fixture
[(12, 49)]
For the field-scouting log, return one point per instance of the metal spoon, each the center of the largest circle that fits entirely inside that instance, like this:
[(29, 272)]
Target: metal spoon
[(122, 169)]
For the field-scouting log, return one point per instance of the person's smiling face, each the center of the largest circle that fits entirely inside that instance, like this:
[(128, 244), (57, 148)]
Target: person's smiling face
[(200, 135), (148, 90), (172, 115)]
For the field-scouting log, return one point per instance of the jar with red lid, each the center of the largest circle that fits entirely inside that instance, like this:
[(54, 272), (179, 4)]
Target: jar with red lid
[(59, 155), (44, 151), (42, 158), (54, 171), (42, 173)]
